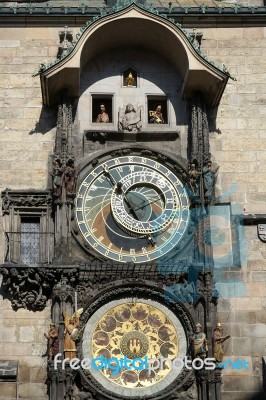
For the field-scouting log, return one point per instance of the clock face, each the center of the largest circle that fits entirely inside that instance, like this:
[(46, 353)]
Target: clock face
[(132, 209), (135, 331)]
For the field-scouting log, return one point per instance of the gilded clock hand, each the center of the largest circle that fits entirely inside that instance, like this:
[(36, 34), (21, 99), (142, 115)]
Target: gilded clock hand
[(108, 173)]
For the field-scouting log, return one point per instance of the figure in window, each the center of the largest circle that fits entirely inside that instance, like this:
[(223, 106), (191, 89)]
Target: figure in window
[(103, 115), (130, 80), (156, 117)]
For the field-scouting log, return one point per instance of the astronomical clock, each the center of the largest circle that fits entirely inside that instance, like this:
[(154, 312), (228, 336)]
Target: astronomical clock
[(120, 240), (132, 208)]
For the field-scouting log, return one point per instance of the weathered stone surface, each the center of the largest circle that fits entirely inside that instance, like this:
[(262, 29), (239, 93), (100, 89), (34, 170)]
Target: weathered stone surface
[(248, 346), (8, 390), (32, 390), (238, 145), (243, 383)]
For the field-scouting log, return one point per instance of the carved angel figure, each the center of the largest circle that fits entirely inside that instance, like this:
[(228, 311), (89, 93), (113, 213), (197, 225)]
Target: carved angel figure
[(130, 119), (71, 333)]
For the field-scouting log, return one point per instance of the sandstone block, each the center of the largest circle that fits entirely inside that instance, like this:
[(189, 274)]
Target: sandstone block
[(253, 303), (8, 390), (26, 333), (33, 390), (247, 346), (257, 331)]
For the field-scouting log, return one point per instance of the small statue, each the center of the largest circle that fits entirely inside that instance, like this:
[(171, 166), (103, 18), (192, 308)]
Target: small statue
[(218, 339), (184, 291), (156, 117), (76, 394), (57, 178), (103, 116), (193, 178), (130, 120), (209, 175), (200, 342), (71, 333), (130, 80), (52, 337), (70, 178)]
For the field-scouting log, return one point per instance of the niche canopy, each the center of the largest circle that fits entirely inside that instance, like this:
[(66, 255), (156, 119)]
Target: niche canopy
[(134, 26)]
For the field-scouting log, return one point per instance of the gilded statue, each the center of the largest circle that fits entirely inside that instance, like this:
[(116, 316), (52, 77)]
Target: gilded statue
[(218, 340), (71, 333), (130, 80), (156, 117)]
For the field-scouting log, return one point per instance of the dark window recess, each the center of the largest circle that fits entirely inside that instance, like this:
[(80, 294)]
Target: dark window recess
[(30, 240)]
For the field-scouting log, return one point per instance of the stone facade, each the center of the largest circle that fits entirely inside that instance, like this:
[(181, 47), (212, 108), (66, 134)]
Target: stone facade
[(238, 143)]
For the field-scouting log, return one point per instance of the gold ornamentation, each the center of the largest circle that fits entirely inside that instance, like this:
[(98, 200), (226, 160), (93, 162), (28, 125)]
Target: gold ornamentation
[(134, 344), (135, 330)]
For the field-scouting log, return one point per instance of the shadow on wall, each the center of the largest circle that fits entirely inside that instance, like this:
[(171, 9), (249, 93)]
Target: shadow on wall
[(47, 121), (258, 396), (212, 116)]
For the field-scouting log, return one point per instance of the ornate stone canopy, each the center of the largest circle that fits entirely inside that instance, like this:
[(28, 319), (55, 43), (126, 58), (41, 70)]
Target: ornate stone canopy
[(154, 32)]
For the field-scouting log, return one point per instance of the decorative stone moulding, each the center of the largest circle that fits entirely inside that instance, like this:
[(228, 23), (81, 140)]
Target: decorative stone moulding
[(197, 73)]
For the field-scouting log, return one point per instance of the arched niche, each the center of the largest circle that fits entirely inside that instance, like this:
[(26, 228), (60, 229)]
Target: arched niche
[(135, 26)]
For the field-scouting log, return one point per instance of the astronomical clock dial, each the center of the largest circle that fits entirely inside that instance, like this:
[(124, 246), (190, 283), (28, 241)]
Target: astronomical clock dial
[(132, 209)]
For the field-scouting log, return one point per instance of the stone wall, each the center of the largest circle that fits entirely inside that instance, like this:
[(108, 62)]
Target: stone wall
[(22, 339), (26, 140), (238, 142)]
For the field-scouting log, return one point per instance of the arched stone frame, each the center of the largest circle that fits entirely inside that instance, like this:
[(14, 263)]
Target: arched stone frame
[(171, 42), (150, 291)]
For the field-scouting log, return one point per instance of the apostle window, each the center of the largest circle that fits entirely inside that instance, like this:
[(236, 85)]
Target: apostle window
[(102, 109), (157, 110)]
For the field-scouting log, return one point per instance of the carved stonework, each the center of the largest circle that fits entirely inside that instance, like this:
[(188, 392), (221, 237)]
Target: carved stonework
[(64, 172), (201, 172), (24, 198), (31, 287), (206, 290), (130, 118), (66, 39)]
